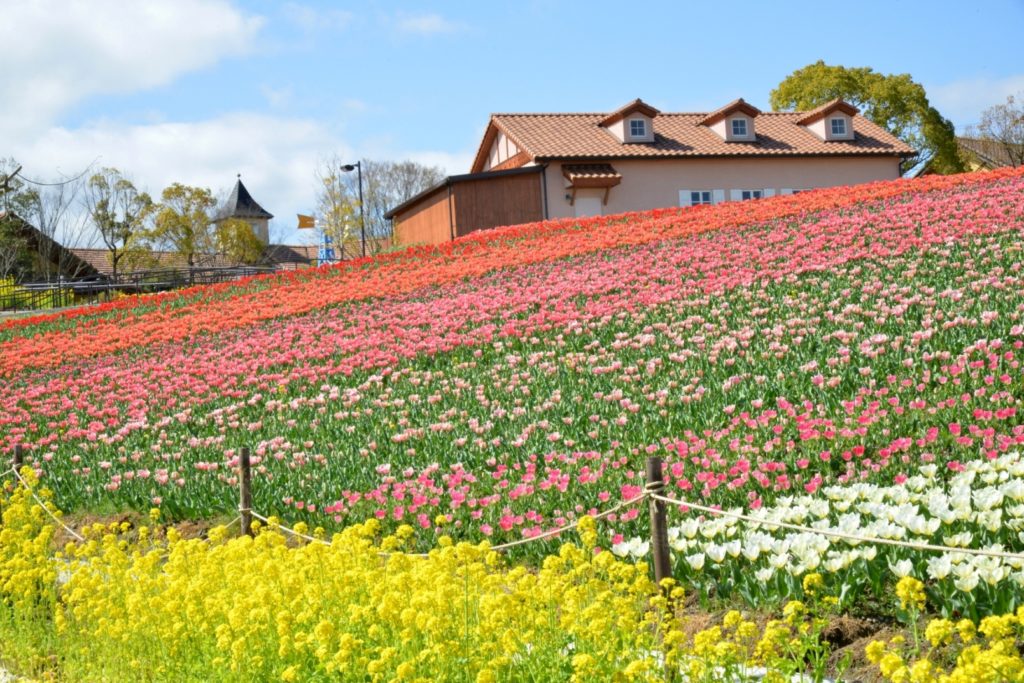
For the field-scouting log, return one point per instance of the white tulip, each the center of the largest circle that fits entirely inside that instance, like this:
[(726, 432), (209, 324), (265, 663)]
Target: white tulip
[(696, 561), (939, 567), (902, 568)]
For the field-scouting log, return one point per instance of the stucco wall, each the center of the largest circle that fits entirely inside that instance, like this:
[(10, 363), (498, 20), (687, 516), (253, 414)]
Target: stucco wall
[(656, 183)]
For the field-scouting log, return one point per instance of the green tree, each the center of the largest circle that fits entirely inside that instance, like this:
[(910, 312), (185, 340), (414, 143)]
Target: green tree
[(183, 223), (119, 212), (237, 241), (895, 102)]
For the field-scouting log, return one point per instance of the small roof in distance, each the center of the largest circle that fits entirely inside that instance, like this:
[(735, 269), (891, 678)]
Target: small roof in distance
[(241, 205)]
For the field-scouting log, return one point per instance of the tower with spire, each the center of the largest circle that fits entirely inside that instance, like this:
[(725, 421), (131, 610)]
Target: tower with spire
[(240, 204)]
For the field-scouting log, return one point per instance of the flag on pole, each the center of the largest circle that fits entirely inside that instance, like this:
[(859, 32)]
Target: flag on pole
[(306, 222)]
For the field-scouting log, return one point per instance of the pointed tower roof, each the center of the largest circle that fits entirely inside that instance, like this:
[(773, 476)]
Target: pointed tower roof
[(241, 204)]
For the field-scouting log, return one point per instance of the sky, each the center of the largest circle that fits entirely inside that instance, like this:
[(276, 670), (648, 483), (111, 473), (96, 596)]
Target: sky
[(198, 91)]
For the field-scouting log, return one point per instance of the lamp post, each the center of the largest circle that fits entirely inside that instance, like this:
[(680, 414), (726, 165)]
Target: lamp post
[(358, 166)]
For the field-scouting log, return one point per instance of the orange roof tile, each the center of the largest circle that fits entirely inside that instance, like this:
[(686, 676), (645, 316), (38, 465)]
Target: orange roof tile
[(591, 175), (578, 136)]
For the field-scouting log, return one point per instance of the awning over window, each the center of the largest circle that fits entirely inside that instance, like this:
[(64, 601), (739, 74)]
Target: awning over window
[(582, 176)]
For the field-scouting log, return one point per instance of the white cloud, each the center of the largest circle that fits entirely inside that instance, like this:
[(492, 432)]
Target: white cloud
[(963, 101), (424, 24), (312, 19), (58, 52), (276, 156)]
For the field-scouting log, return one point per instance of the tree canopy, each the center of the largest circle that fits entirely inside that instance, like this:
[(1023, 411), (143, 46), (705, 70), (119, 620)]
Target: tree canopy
[(894, 101), (183, 222), (119, 212)]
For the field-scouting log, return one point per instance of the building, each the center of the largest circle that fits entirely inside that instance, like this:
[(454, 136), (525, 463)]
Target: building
[(241, 205), (981, 154), (533, 167)]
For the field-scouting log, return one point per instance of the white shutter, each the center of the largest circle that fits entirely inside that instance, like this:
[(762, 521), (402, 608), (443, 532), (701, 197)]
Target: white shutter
[(735, 195), (684, 198), (717, 196), (769, 192), (785, 191)]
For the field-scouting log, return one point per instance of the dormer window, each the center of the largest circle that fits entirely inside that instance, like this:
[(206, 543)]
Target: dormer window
[(831, 121), (632, 124), (734, 122)]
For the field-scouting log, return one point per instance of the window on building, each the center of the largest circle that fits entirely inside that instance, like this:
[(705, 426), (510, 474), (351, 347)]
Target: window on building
[(751, 194), (838, 127), (700, 197), (739, 128), (637, 128)]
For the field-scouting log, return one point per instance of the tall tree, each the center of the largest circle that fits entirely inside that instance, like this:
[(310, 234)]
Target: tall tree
[(119, 212), (893, 101), (14, 249), (1003, 124), (183, 223), (386, 184)]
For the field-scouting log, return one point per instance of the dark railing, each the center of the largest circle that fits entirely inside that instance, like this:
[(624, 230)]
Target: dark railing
[(37, 295)]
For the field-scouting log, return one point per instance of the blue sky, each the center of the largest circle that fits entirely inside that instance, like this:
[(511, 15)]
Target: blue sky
[(198, 90)]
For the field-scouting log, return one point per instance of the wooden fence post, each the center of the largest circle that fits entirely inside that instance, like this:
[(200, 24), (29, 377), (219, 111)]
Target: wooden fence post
[(659, 528), (245, 491), (18, 458)]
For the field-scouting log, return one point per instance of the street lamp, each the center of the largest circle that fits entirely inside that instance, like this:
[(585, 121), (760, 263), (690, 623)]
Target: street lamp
[(358, 166)]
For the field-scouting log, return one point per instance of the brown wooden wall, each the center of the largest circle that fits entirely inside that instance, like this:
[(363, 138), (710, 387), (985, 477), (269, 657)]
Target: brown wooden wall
[(426, 222), (502, 200)]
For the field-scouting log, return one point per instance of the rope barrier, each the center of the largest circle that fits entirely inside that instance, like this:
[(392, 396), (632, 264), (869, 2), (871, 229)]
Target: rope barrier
[(567, 527), (43, 505), (651, 491), (839, 534)]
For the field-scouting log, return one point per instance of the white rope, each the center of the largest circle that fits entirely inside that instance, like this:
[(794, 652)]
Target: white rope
[(496, 548), (839, 534), (43, 505), (567, 527)]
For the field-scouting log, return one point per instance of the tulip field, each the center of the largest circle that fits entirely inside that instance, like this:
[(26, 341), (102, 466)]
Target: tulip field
[(847, 360)]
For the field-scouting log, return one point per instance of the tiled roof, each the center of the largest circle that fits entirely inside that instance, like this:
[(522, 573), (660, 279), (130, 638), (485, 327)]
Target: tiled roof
[(991, 153), (289, 253), (274, 254), (590, 171), (591, 175), (580, 137), (100, 260)]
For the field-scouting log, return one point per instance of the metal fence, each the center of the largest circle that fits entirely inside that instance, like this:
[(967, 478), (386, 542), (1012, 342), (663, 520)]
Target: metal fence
[(46, 294)]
